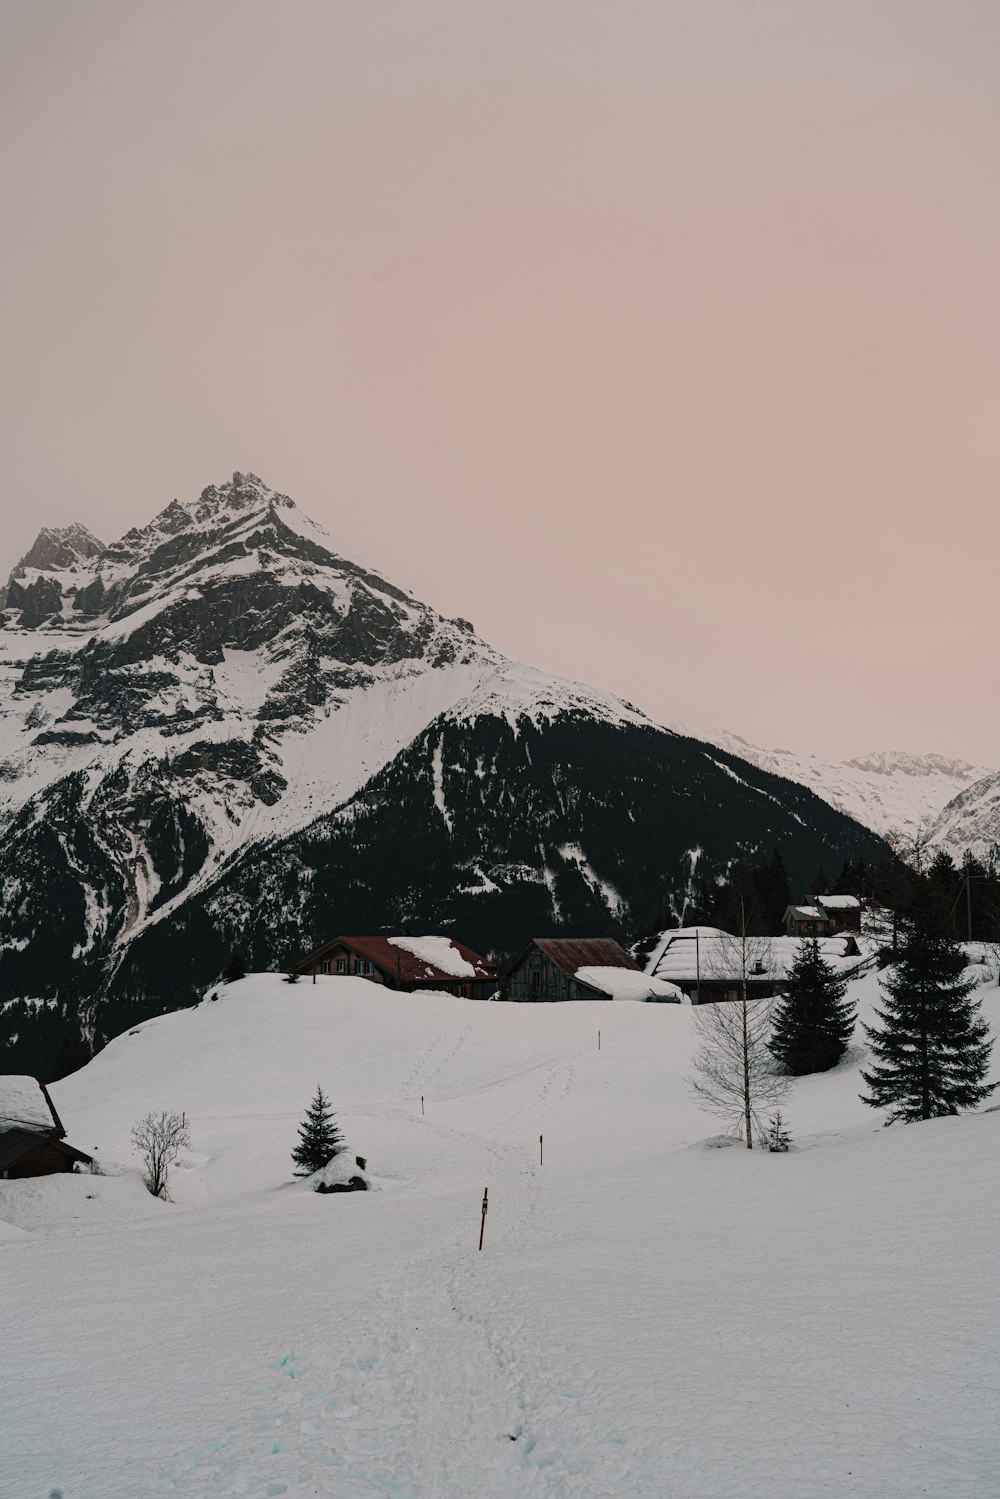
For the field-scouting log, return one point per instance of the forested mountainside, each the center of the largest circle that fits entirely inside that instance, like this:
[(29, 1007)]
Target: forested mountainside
[(219, 730)]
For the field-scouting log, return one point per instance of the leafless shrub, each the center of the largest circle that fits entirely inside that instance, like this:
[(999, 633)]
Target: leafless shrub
[(159, 1139)]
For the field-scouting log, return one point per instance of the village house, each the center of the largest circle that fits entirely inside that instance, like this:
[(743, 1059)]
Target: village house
[(707, 963), (843, 912), (805, 921), (561, 968), (32, 1137), (404, 964), (823, 916)]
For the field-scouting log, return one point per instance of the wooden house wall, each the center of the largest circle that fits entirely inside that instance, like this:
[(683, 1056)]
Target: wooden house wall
[(45, 1160), (537, 979), (846, 921)]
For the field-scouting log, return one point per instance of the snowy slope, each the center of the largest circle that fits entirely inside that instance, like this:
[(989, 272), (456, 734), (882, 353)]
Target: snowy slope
[(893, 792), (648, 1317)]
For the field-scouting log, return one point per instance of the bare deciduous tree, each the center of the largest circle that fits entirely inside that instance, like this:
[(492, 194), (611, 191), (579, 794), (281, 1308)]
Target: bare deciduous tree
[(737, 1076), (159, 1139)]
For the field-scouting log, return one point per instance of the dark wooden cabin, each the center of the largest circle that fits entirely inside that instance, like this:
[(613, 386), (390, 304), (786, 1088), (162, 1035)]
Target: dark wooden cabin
[(843, 912), (32, 1139), (384, 961), (546, 970)]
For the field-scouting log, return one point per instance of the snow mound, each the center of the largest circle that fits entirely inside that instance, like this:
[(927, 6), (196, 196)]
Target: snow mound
[(72, 1202), (339, 1171), (628, 983)]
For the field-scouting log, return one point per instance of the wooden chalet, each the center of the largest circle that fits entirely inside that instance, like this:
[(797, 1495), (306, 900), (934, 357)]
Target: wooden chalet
[(404, 964), (547, 969), (32, 1137), (823, 916), (805, 921), (843, 912)]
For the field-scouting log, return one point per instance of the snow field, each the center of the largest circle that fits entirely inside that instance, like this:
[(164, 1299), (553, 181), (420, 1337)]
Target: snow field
[(649, 1316)]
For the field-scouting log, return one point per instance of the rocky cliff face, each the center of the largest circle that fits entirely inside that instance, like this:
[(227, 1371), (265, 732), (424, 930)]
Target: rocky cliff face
[(225, 731)]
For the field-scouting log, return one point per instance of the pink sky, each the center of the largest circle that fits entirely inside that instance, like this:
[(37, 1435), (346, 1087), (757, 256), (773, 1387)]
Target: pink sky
[(661, 340)]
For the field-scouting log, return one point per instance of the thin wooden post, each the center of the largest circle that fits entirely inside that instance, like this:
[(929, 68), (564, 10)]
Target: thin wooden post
[(421, 1103), (541, 1152), (598, 1040), (482, 1224)]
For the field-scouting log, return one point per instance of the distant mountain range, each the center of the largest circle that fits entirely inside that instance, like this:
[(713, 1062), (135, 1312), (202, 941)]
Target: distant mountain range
[(902, 796), (221, 731)]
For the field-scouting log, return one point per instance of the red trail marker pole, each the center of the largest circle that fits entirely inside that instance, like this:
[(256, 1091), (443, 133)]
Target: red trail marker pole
[(482, 1224)]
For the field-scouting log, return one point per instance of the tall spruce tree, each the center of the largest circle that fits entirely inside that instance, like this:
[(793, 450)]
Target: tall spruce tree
[(319, 1138), (932, 1050), (814, 1021)]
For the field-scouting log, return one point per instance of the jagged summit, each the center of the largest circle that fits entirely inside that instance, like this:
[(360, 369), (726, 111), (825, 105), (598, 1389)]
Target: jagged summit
[(54, 549), (59, 546)]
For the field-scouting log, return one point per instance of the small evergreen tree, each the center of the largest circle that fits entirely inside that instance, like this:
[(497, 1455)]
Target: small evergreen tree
[(932, 1050), (779, 1136), (814, 1021), (319, 1137), (235, 968)]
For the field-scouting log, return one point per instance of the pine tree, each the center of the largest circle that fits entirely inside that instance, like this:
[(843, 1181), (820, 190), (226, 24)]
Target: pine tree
[(779, 1136), (236, 968), (319, 1137), (932, 1051), (814, 1021)]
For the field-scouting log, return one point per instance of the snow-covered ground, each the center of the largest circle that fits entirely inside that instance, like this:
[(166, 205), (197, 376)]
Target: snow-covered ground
[(650, 1315)]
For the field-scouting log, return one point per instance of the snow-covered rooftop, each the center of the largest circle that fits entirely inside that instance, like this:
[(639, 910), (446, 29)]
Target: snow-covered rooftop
[(23, 1105), (838, 902), (717, 955), (627, 983), (437, 952)]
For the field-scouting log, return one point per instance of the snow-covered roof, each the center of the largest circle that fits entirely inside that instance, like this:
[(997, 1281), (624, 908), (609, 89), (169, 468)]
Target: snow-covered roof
[(718, 956), (414, 960), (807, 913), (25, 1105), (629, 983), (437, 952), (838, 902)]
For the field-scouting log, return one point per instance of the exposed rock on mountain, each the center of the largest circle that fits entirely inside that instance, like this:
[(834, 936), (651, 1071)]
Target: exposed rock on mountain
[(970, 822), (228, 732)]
